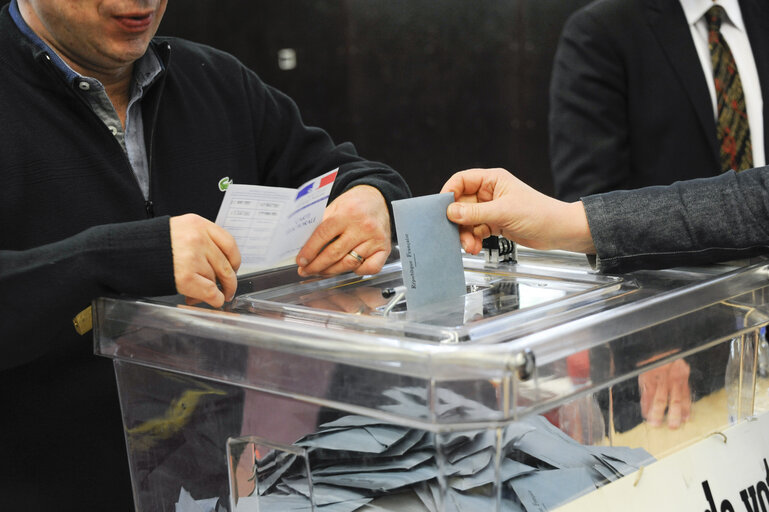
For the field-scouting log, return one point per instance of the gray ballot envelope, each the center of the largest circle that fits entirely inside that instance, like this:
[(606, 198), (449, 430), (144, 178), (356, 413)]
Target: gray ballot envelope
[(522, 392), (430, 251)]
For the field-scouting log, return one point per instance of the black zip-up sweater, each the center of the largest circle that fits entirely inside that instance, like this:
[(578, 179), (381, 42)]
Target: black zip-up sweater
[(74, 225)]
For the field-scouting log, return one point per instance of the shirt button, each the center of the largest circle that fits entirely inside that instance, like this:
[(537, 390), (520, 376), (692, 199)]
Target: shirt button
[(84, 86), (113, 130)]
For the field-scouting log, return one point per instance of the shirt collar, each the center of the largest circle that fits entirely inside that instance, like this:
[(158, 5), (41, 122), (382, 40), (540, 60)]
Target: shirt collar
[(694, 10), (146, 69)]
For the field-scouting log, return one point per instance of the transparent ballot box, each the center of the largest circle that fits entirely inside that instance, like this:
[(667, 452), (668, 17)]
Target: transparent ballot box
[(544, 382)]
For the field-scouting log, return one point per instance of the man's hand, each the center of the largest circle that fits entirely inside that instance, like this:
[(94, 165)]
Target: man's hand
[(494, 202), (203, 254), (356, 221), (666, 388)]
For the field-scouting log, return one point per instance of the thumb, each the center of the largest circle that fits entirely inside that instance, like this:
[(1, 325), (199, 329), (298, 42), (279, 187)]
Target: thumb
[(473, 214)]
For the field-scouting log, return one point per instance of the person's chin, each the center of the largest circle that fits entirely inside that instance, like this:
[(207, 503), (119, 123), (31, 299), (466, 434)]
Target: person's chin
[(127, 52)]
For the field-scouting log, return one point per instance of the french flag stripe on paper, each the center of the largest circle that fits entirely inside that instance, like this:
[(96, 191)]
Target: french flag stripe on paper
[(324, 180), (328, 178), (304, 190)]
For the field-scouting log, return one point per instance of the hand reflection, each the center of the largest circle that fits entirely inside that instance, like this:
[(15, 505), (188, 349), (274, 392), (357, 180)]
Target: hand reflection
[(244, 466), (360, 300), (666, 388)]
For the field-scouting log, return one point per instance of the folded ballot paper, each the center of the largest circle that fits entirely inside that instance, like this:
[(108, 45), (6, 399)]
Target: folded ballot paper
[(271, 224), (358, 463)]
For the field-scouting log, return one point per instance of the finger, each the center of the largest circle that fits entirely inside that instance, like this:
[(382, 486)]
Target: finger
[(223, 258), (335, 257), (481, 231), (686, 403), (374, 263), (195, 278), (222, 271), (675, 406), (348, 263), (326, 234), (680, 391), (202, 289), (475, 214), (465, 182), (470, 242), (659, 404), (226, 244), (648, 388)]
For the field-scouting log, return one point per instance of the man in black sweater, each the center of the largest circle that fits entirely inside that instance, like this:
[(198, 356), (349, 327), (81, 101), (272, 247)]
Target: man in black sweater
[(114, 144)]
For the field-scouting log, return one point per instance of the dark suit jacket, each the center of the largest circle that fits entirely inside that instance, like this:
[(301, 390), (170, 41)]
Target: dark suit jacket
[(629, 105)]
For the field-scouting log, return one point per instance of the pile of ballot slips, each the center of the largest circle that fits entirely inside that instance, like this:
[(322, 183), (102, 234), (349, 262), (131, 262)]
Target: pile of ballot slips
[(361, 463)]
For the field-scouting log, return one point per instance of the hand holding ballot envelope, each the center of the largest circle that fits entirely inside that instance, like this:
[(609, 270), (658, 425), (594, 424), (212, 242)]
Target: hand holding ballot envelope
[(494, 202)]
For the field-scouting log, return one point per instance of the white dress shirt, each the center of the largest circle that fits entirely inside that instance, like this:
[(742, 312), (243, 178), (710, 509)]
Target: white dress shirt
[(733, 31)]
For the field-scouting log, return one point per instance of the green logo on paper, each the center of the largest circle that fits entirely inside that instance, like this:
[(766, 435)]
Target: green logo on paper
[(224, 183)]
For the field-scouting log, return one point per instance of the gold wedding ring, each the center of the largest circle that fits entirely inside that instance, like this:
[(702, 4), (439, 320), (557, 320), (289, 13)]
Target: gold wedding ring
[(356, 256)]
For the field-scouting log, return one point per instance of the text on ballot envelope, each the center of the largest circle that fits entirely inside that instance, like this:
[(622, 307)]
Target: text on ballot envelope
[(430, 250)]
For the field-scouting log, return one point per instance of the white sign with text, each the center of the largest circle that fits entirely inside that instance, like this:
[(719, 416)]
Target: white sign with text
[(725, 472)]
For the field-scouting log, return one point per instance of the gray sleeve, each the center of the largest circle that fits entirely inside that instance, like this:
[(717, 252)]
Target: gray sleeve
[(687, 223)]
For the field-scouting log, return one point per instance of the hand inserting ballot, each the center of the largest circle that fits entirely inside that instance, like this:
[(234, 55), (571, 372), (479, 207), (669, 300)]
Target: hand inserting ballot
[(204, 254), (494, 202)]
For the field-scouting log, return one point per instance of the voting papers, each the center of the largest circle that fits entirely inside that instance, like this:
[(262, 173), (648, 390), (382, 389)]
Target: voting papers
[(271, 224), (187, 503), (361, 463)]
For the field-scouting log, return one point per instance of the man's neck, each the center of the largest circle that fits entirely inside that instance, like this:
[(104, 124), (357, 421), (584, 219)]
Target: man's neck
[(116, 80), (116, 85)]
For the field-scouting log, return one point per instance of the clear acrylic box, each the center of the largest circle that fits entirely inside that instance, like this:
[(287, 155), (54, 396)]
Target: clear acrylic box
[(329, 394)]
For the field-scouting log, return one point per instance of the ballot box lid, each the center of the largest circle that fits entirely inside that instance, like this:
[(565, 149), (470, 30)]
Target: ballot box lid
[(521, 326)]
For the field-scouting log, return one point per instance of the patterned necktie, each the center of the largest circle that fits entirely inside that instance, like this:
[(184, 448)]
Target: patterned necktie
[(732, 127)]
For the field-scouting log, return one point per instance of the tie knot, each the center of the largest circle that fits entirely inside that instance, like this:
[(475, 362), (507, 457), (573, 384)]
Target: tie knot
[(715, 16)]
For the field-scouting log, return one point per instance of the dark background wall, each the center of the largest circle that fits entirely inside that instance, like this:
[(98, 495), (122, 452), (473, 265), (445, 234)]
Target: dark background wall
[(428, 86)]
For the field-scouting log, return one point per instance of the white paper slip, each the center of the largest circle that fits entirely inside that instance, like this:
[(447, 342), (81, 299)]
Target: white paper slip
[(271, 224), (430, 250)]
